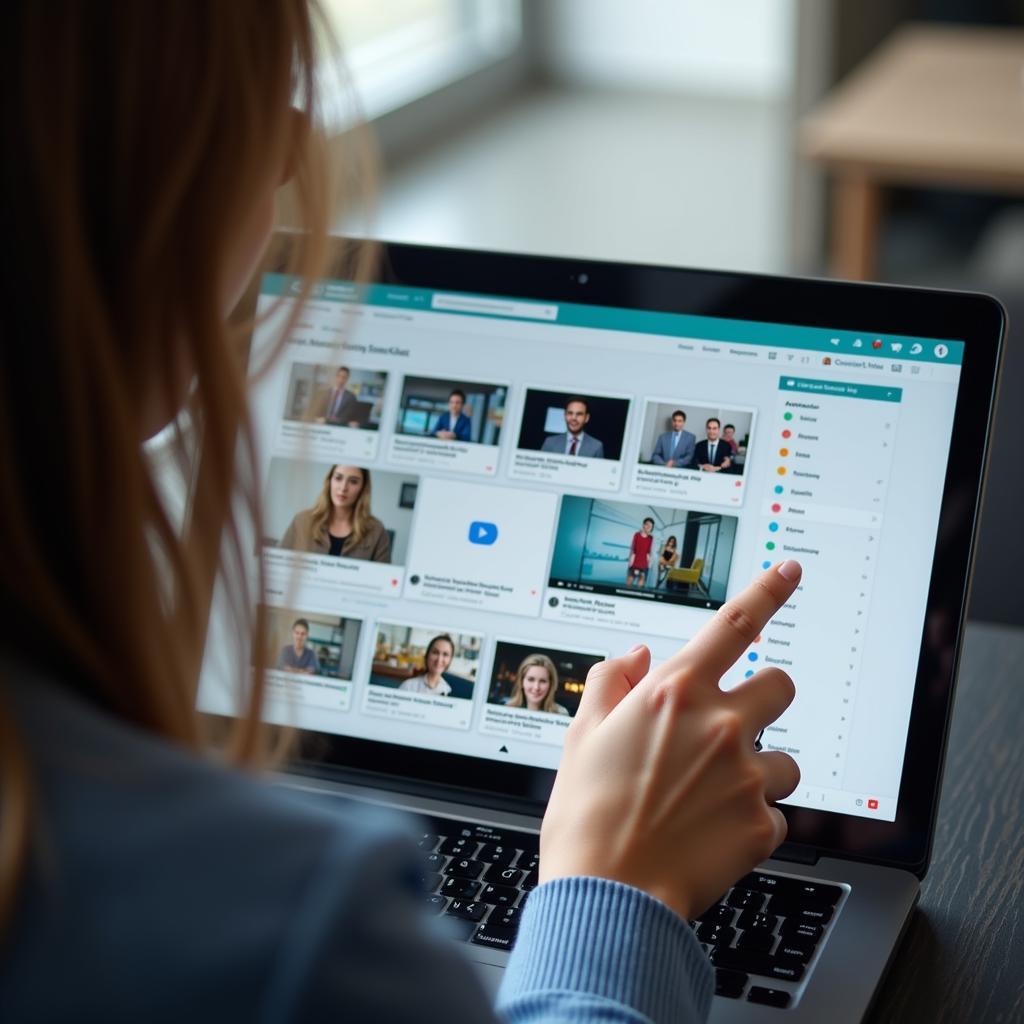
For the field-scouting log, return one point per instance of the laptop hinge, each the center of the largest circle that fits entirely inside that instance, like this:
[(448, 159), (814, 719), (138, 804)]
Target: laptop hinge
[(796, 853)]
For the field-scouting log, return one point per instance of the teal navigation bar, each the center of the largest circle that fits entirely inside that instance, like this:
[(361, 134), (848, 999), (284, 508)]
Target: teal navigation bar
[(615, 318), (839, 389)]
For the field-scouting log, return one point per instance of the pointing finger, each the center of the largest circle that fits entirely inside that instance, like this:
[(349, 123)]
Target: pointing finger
[(738, 622)]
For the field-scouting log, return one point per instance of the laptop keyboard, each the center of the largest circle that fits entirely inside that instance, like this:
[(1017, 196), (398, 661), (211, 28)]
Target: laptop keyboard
[(761, 936)]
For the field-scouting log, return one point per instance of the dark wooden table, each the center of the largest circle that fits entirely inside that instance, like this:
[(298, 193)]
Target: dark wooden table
[(962, 958)]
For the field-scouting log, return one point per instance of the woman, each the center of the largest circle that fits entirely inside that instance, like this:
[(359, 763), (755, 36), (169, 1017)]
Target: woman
[(668, 559), (340, 523), (140, 877), (536, 685), (438, 657)]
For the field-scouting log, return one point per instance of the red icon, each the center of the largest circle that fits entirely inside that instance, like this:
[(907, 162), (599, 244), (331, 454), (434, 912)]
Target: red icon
[(776, 507), (394, 583), (787, 433), (876, 343), (872, 805)]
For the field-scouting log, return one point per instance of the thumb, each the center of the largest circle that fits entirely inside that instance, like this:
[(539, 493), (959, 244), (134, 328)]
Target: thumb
[(609, 681)]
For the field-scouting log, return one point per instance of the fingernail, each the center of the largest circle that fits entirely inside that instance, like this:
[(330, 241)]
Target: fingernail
[(635, 648), (790, 570)]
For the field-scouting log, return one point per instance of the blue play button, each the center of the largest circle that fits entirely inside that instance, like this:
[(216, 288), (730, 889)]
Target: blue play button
[(482, 533)]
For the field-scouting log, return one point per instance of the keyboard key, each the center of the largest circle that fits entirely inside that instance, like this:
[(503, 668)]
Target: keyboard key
[(460, 888), (768, 996), (716, 934), (459, 846), (746, 899), (756, 963), (506, 917), (436, 903), (531, 881), (757, 940), (465, 868), (793, 949), (428, 841), (799, 888), (503, 875), (812, 913), (496, 853), (751, 919), (468, 911), (435, 861), (729, 983), (499, 895), (495, 936), (804, 931), (528, 861), (718, 914)]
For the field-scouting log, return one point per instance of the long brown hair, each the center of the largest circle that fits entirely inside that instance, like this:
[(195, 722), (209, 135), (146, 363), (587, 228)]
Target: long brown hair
[(322, 509), (136, 139)]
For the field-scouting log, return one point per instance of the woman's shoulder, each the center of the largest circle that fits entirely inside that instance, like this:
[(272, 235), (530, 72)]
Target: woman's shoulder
[(142, 832)]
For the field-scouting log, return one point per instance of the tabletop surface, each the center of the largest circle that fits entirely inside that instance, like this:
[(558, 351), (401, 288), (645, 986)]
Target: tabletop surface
[(962, 958), (933, 101)]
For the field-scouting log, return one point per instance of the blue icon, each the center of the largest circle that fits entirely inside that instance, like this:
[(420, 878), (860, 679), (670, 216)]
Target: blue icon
[(766, 565), (778, 488), (482, 533), (748, 673), (752, 656), (773, 527)]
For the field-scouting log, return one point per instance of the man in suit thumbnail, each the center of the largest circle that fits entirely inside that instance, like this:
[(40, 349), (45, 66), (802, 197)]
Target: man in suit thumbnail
[(675, 447), (454, 425), (713, 454), (337, 406), (575, 441)]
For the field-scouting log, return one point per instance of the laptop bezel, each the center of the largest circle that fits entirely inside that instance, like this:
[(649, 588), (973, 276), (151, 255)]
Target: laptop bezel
[(977, 320)]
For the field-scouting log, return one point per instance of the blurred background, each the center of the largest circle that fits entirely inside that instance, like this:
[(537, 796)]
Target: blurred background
[(872, 139)]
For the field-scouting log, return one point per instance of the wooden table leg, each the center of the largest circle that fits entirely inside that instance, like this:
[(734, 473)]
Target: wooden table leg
[(856, 210)]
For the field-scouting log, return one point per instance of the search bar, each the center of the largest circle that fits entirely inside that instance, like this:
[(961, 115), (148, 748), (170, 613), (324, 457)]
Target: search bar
[(494, 307)]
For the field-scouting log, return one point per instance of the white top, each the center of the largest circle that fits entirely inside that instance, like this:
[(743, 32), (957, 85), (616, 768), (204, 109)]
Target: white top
[(418, 684)]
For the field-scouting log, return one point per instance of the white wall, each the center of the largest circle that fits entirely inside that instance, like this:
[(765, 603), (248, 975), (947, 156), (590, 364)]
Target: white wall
[(721, 47)]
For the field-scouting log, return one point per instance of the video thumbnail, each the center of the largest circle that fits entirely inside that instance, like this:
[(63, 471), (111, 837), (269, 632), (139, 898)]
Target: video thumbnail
[(647, 552), (335, 396), (310, 656), (339, 511), (706, 439), (577, 425)]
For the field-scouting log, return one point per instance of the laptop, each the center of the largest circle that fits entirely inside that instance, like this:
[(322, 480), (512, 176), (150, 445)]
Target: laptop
[(554, 458)]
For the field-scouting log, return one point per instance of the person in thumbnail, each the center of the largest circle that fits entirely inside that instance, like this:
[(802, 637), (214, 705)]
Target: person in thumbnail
[(440, 652), (575, 441), (296, 656), (536, 685), (336, 405), (729, 437), (640, 555), (675, 447), (713, 454), (340, 523), (668, 559), (454, 425)]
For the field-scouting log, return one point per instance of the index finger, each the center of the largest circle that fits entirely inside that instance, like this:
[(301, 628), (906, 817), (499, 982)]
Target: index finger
[(738, 622)]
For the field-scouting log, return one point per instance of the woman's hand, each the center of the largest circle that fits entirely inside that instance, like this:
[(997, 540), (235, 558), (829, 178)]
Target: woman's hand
[(660, 786)]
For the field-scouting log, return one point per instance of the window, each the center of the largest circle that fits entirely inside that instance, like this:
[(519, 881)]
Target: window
[(402, 50)]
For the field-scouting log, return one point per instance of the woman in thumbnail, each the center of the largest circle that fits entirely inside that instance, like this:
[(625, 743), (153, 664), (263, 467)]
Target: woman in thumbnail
[(536, 684), (668, 559), (640, 554), (340, 523), (440, 652)]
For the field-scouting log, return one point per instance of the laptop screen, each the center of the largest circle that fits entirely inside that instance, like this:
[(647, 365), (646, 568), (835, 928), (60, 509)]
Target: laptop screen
[(470, 500)]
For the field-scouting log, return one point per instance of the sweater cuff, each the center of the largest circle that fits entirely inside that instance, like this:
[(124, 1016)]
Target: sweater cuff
[(592, 936)]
